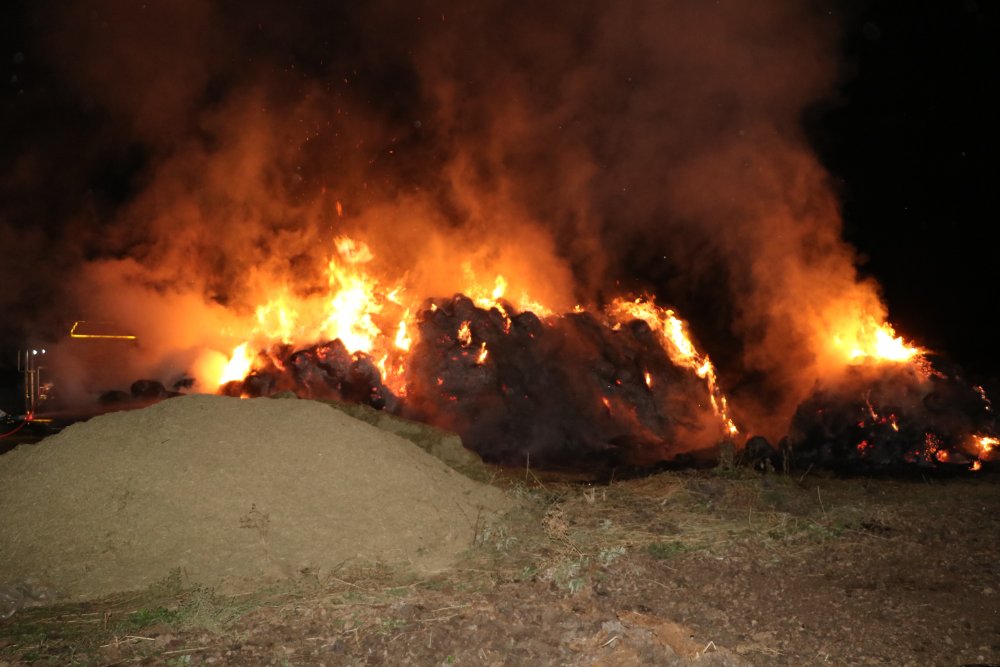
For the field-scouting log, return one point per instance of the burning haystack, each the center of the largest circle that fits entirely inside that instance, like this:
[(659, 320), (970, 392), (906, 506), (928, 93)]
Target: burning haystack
[(285, 199), (573, 389)]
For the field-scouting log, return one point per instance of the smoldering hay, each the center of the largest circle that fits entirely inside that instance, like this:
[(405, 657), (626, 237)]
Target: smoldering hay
[(580, 150)]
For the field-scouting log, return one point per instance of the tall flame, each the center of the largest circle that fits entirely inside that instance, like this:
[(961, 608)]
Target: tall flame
[(355, 299), (403, 340)]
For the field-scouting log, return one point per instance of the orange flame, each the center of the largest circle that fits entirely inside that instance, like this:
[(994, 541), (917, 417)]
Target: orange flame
[(403, 340), (354, 302), (464, 335), (375, 319), (355, 308), (239, 365), (499, 288), (278, 318), (985, 444), (488, 298), (868, 340)]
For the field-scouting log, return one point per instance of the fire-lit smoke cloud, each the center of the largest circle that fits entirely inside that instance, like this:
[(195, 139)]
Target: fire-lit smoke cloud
[(578, 148)]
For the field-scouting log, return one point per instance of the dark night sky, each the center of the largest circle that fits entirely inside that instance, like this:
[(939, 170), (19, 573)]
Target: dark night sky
[(908, 137), (913, 146)]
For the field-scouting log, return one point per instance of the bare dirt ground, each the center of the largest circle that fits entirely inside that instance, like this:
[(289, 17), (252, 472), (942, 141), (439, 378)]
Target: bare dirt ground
[(709, 567)]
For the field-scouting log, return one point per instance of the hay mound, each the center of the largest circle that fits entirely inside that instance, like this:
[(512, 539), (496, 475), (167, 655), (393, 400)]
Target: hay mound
[(230, 491)]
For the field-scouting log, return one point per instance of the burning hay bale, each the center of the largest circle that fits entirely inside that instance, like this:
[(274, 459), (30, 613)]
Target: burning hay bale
[(569, 390), (895, 417), (562, 390), (229, 493), (322, 371)]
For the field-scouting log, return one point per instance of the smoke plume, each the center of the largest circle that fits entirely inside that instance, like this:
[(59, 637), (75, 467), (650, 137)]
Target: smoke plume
[(217, 148)]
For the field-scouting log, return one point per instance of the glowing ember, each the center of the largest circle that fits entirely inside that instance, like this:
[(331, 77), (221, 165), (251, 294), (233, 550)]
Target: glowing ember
[(75, 332), (481, 359), (871, 408), (649, 379)]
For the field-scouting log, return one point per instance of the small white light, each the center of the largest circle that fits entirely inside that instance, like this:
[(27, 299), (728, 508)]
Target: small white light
[(43, 350), (34, 351)]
